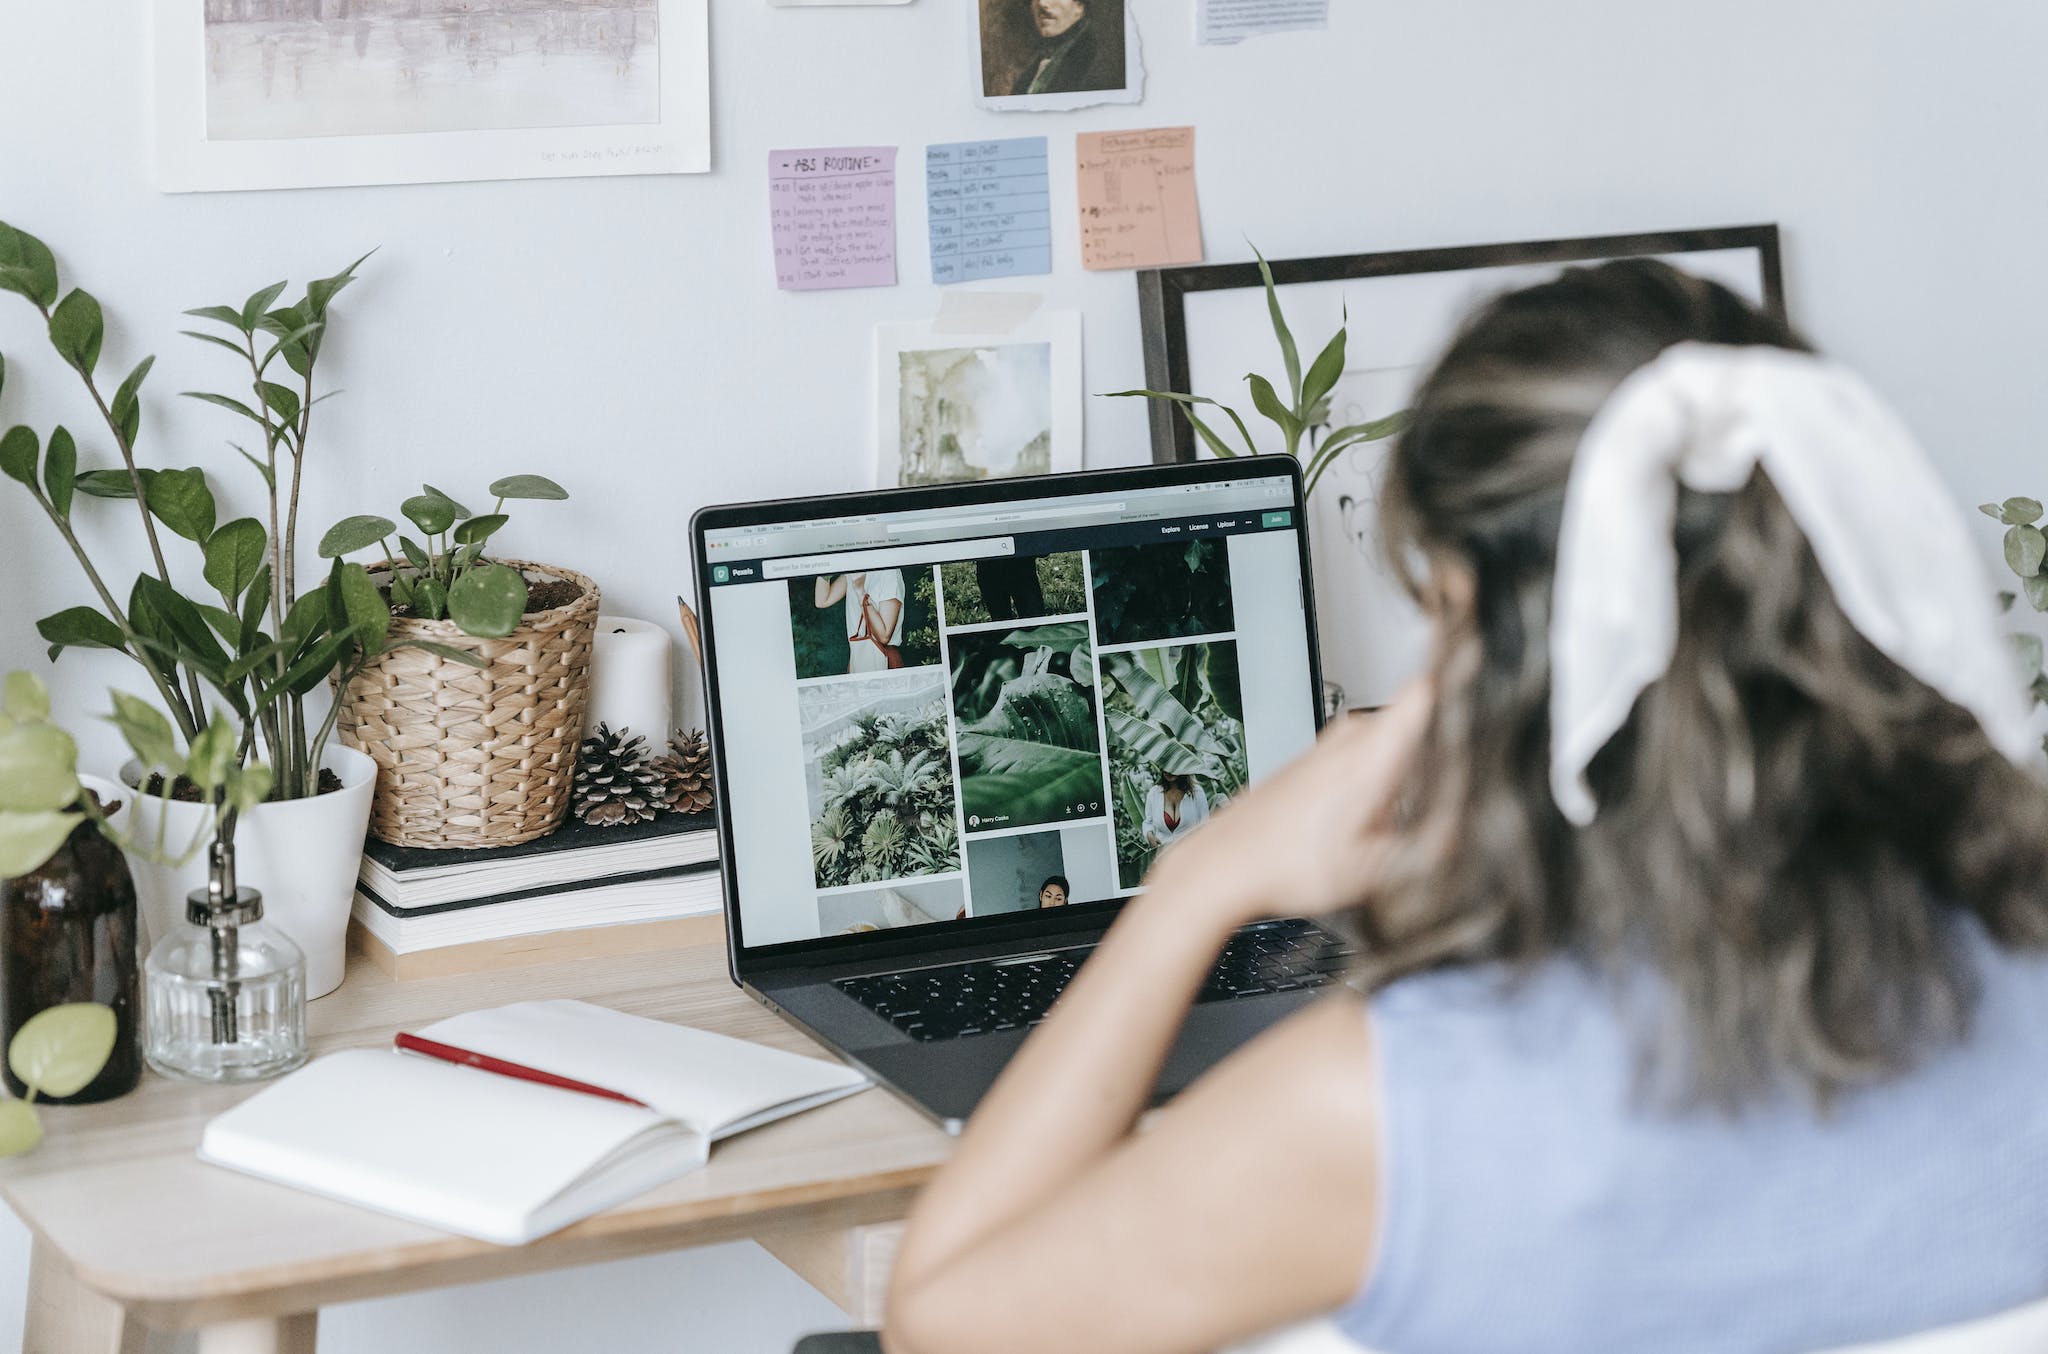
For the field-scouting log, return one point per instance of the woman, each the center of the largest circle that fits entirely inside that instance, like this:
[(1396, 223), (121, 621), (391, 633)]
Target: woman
[(1174, 807), (1053, 892), (1704, 938), (874, 615)]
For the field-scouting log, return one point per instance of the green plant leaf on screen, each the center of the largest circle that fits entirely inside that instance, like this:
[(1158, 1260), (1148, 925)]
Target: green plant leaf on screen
[(351, 534), (27, 266), (1060, 635), (1220, 680), (1157, 747), (38, 769), (60, 471), (488, 601), (1288, 352), (19, 451), (20, 1129), (77, 329), (148, 734), (24, 697), (2020, 512), (528, 486), (233, 555), (2025, 547), (1156, 704), (182, 502), (29, 839), (60, 1050)]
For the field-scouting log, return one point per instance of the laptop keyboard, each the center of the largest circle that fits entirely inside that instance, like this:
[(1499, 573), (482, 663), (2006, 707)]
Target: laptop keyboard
[(1006, 994)]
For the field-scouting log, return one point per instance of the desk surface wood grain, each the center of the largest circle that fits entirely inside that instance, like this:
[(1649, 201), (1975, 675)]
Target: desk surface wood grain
[(118, 1192)]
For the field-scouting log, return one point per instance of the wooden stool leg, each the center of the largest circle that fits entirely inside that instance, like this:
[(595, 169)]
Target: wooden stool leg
[(850, 1267), (264, 1335), (66, 1317)]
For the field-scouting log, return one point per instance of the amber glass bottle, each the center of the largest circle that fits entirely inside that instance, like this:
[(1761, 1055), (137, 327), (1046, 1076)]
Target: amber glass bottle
[(68, 933)]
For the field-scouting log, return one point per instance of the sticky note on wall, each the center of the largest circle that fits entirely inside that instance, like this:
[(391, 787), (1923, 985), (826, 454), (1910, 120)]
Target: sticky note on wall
[(833, 215), (1137, 198), (991, 209)]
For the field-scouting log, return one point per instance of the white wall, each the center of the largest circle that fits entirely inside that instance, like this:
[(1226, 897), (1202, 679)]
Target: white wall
[(625, 335)]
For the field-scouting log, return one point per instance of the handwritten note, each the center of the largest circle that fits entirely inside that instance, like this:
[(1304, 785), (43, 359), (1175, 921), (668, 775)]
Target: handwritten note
[(834, 217), (1137, 196), (1236, 20), (991, 209)]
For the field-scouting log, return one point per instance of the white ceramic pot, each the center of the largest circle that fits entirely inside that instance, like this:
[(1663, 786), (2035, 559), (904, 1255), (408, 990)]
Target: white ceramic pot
[(301, 854)]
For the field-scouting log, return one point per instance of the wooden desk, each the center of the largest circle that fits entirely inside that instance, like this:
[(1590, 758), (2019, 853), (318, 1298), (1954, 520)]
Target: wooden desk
[(131, 1229)]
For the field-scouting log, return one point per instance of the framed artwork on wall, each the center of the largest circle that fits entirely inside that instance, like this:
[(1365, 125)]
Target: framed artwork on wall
[(323, 93), (1206, 326)]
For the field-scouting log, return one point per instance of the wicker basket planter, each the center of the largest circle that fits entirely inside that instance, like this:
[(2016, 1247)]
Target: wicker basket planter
[(470, 757)]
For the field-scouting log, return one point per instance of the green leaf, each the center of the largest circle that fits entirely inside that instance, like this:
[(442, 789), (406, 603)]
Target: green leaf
[(112, 483), (322, 291), (454, 507), (26, 266), (60, 472), (369, 615), (60, 1050), (2025, 547), (430, 600), (528, 486), (2036, 589), (127, 406), (2020, 512), (1281, 332), (304, 621), (80, 627), (254, 602), (1323, 374), (224, 622), (283, 400), (351, 534), (448, 651), (182, 502), (76, 329), (227, 402), (262, 468), (477, 530), (1220, 680), (313, 666), (1155, 705), (38, 769), (148, 734), (431, 514), (226, 315), (29, 839), (254, 657), (212, 755), (1988, 509), (234, 554), (488, 601), (416, 554), (157, 609), (19, 450), (20, 1129), (258, 302), (250, 786), (216, 340), (24, 697), (1062, 635), (1267, 402)]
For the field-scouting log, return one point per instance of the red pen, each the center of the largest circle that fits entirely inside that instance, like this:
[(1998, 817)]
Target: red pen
[(412, 1043)]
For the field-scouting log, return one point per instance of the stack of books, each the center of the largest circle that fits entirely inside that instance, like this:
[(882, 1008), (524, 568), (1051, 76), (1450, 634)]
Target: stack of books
[(410, 900)]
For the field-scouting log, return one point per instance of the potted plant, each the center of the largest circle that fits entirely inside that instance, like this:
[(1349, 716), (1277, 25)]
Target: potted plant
[(246, 632), (481, 750)]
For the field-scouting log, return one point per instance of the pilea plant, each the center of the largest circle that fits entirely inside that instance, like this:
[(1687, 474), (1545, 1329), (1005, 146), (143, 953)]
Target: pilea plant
[(250, 635), (447, 577), (56, 1052)]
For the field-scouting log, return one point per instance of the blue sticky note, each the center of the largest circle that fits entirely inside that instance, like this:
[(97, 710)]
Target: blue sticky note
[(990, 207)]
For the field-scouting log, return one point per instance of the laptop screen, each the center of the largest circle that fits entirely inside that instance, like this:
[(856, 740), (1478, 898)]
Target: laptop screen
[(983, 707)]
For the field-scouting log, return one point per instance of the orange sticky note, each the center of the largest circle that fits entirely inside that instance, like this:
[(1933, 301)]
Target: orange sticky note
[(1137, 197)]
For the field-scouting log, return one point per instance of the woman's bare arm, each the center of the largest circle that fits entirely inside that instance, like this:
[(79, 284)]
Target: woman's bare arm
[(881, 617), (828, 589)]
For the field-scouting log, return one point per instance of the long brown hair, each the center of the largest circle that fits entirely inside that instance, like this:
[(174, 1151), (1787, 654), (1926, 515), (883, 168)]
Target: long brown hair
[(1790, 825)]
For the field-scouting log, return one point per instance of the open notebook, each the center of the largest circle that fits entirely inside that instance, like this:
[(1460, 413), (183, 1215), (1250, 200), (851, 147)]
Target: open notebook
[(505, 1155)]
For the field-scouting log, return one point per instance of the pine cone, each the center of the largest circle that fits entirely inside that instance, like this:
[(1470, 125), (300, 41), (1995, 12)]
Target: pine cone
[(615, 787), (685, 772)]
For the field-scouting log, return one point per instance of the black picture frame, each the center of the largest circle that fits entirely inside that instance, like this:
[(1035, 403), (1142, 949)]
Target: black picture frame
[(1162, 293)]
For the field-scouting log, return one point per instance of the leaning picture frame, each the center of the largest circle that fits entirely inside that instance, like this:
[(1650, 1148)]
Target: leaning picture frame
[(1206, 326)]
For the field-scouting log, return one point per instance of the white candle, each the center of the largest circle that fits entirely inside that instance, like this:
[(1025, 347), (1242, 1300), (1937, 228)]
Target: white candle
[(630, 680)]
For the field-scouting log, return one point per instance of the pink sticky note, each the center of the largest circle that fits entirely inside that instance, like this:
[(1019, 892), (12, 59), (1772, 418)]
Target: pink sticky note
[(834, 217), (1137, 198)]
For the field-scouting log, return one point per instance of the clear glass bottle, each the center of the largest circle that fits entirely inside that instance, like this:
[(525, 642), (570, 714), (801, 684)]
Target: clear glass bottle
[(226, 995)]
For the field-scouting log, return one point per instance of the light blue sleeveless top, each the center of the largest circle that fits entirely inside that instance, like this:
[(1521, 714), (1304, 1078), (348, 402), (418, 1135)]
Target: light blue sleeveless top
[(1532, 1204)]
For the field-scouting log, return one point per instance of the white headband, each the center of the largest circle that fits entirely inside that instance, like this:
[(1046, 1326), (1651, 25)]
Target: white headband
[(1892, 543)]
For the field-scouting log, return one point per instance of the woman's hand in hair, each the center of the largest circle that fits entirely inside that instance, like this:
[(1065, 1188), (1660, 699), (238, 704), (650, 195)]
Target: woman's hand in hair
[(1309, 840)]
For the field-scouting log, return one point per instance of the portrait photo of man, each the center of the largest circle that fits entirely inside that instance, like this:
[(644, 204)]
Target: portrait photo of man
[(1038, 47)]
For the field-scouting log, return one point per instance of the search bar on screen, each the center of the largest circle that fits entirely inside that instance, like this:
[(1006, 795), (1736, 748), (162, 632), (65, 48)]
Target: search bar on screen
[(854, 561), (999, 519)]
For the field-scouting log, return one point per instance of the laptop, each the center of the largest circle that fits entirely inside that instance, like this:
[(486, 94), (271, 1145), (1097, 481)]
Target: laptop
[(954, 725)]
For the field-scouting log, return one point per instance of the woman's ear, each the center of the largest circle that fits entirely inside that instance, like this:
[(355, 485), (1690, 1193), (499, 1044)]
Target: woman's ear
[(1452, 589)]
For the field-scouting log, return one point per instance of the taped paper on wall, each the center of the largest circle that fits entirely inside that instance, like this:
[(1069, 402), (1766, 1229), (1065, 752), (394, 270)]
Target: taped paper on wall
[(833, 213), (990, 209), (1226, 21), (1137, 198)]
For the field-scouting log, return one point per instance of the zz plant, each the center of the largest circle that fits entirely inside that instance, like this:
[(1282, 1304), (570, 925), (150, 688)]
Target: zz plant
[(1301, 412), (448, 577), (250, 635)]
